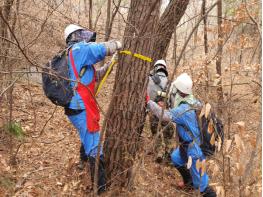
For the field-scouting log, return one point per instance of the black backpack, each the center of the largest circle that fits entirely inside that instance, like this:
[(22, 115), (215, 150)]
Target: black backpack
[(211, 130), (55, 79)]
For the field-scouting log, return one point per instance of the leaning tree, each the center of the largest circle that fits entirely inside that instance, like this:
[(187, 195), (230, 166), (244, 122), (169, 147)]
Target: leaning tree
[(126, 115)]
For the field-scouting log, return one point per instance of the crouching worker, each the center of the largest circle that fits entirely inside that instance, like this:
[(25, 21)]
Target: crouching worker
[(186, 121), (83, 111), (156, 90)]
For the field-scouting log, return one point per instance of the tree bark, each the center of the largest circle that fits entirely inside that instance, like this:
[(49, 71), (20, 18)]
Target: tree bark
[(219, 58), (107, 27), (90, 14), (205, 27), (6, 14), (126, 116), (205, 47), (166, 25)]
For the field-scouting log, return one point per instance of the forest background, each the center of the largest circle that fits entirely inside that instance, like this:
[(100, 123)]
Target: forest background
[(217, 42)]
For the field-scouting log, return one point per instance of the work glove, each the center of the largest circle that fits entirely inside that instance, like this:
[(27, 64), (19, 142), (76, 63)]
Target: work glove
[(161, 104), (112, 46), (114, 57), (161, 94)]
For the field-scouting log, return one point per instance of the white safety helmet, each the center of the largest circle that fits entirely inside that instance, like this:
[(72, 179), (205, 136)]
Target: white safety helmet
[(160, 65), (160, 62), (183, 83), (70, 29)]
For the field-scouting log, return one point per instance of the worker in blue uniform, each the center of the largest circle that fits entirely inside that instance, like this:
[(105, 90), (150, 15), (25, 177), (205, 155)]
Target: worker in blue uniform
[(185, 118), (83, 110)]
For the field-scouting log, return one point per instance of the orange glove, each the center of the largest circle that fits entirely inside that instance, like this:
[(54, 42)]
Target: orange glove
[(147, 98)]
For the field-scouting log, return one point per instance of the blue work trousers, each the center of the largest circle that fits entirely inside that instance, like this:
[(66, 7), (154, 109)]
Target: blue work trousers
[(198, 180), (88, 139)]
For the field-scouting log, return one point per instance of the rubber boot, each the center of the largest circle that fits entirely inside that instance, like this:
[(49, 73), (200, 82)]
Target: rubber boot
[(83, 157), (187, 178), (209, 192), (101, 175)]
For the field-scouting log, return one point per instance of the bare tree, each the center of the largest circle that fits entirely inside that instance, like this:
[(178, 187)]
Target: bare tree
[(110, 18), (205, 45), (5, 17), (89, 12), (219, 57), (166, 25), (126, 115)]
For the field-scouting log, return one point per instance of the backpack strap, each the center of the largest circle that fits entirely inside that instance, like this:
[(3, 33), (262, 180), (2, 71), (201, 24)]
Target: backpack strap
[(73, 64), (83, 69), (156, 79), (187, 129)]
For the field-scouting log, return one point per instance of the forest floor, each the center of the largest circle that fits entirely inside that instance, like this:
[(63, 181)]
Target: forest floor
[(46, 159), (44, 162)]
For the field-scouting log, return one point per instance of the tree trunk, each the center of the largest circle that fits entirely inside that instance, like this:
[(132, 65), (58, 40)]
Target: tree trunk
[(5, 48), (205, 27), (126, 116), (166, 25), (90, 14), (107, 27), (205, 48), (219, 57)]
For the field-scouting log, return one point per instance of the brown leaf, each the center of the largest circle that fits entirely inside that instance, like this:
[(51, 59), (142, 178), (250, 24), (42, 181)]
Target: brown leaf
[(219, 144), (198, 165), (215, 169), (207, 109), (220, 191), (240, 169), (239, 142), (228, 144), (202, 112), (203, 167), (212, 140), (217, 81), (210, 128), (189, 162), (253, 142), (241, 127)]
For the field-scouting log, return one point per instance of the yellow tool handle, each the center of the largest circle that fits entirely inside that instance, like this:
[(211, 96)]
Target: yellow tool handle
[(105, 76)]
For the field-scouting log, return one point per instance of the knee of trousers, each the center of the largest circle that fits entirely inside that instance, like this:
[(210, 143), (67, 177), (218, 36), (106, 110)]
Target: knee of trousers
[(176, 158), (199, 181)]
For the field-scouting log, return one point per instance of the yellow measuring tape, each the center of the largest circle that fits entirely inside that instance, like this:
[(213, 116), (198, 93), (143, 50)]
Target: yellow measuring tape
[(137, 55), (126, 52)]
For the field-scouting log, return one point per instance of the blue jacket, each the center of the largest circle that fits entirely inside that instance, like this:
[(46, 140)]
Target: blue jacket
[(84, 54), (185, 118)]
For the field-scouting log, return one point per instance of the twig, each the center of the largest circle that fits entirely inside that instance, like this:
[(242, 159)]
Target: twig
[(43, 128), (253, 20), (43, 142), (11, 85)]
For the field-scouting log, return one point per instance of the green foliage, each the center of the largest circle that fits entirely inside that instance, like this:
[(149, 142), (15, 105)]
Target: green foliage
[(15, 129), (6, 182), (230, 7)]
